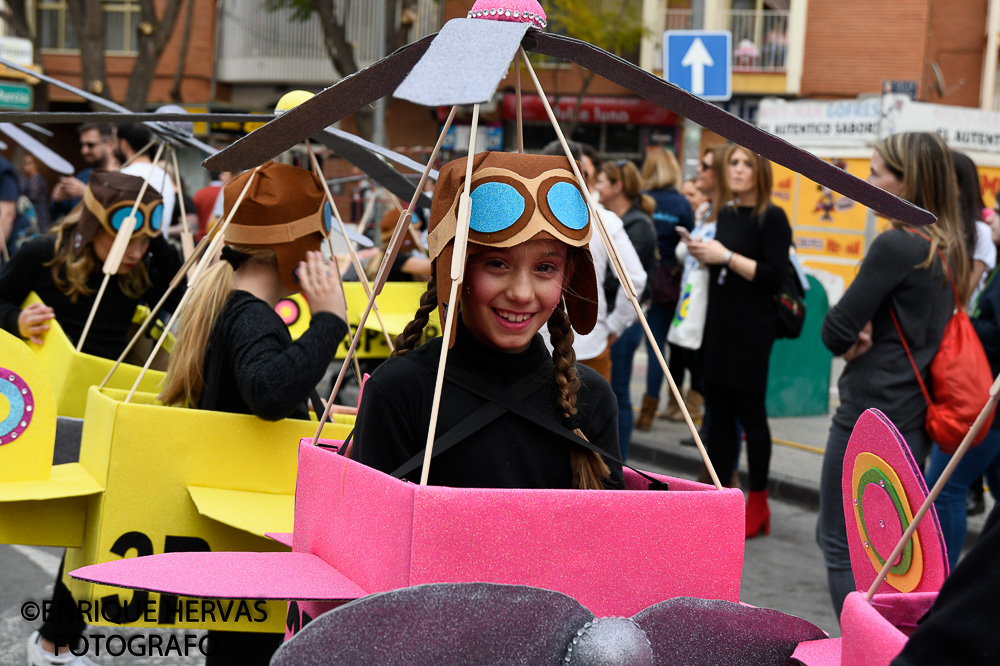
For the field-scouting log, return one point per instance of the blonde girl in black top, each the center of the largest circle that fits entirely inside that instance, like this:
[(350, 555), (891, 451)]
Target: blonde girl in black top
[(234, 353)]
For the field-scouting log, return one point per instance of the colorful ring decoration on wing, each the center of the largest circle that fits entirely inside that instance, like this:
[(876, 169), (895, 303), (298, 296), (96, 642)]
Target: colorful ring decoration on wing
[(288, 310), (879, 493), (21, 405)]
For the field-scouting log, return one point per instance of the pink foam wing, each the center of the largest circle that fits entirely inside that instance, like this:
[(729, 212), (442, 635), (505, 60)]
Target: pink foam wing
[(284, 538), (384, 534), (825, 652), (227, 576), (883, 489)]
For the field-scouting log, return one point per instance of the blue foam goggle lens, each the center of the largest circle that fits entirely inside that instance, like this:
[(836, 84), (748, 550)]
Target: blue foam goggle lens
[(157, 220), (119, 216), (495, 207), (327, 217), (567, 204)]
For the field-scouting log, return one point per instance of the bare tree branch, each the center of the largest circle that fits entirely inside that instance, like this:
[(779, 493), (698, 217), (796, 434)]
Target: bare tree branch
[(153, 35), (88, 16), (175, 88)]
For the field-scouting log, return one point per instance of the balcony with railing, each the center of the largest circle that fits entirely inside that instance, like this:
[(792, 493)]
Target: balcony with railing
[(256, 46), (760, 45), (760, 38)]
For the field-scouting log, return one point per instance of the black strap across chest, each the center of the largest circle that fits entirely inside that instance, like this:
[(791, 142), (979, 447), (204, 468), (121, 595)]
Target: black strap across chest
[(499, 402)]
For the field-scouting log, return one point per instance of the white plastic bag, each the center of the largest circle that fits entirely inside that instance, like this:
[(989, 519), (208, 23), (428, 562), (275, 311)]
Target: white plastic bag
[(688, 324)]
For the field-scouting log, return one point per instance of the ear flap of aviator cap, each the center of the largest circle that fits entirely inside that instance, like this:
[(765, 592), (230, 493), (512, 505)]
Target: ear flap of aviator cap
[(580, 291), (443, 279), (290, 254)]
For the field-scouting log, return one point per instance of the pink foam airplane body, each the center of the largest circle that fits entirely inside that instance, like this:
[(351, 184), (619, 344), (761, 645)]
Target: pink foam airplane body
[(359, 531)]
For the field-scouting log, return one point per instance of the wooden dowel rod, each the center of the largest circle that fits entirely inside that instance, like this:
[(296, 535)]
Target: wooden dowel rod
[(383, 271), (189, 264), (350, 247), (209, 255), (113, 261), (457, 268)]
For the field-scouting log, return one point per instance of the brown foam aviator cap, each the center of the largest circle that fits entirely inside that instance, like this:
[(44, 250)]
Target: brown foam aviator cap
[(285, 210), (108, 199), (515, 197)]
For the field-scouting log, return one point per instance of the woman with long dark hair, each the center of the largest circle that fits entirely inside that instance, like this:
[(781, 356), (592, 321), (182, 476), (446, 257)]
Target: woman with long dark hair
[(975, 230), (902, 273)]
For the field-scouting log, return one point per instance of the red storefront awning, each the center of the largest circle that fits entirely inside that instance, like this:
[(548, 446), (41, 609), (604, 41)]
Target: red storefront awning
[(593, 110)]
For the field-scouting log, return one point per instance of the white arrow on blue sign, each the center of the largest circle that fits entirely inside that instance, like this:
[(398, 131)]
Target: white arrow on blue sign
[(700, 61)]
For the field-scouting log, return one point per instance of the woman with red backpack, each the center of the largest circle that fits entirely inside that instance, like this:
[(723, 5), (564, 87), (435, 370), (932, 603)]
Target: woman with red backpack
[(902, 275), (983, 459)]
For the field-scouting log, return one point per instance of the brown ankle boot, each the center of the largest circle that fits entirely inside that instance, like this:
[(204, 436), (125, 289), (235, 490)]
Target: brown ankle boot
[(673, 411), (734, 480), (644, 421), (695, 402)]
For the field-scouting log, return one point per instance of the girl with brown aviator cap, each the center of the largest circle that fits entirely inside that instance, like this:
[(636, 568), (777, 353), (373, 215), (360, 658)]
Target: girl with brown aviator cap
[(527, 265)]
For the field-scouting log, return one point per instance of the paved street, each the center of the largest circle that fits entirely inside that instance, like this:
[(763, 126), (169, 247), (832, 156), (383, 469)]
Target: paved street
[(27, 575)]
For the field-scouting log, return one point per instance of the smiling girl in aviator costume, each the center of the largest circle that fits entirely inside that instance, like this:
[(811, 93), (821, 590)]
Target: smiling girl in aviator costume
[(527, 265)]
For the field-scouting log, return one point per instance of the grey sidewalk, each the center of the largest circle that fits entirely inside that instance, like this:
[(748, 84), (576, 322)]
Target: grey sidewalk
[(796, 457)]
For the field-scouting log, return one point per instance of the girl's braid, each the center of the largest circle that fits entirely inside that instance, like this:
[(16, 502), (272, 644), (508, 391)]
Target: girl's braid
[(589, 469), (413, 331)]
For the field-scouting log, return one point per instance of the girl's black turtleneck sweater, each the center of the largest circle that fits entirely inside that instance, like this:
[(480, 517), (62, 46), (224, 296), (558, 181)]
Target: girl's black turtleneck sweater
[(27, 272), (253, 367), (510, 452)]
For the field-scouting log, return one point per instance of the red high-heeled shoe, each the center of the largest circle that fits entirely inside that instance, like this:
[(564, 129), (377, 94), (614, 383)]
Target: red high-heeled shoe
[(758, 514)]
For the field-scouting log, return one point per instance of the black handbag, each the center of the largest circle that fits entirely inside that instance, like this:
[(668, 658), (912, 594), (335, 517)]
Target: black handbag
[(791, 307), (789, 301), (666, 289)]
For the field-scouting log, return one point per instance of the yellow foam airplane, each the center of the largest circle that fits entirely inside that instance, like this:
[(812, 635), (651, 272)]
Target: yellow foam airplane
[(398, 301), (71, 372), (150, 479)]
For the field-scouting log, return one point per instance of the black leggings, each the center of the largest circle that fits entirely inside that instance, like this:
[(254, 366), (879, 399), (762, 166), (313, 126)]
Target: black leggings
[(64, 624), (726, 406), (681, 359)]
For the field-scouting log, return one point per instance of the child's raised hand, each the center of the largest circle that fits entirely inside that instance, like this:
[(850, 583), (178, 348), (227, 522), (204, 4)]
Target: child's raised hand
[(320, 286), (31, 323)]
